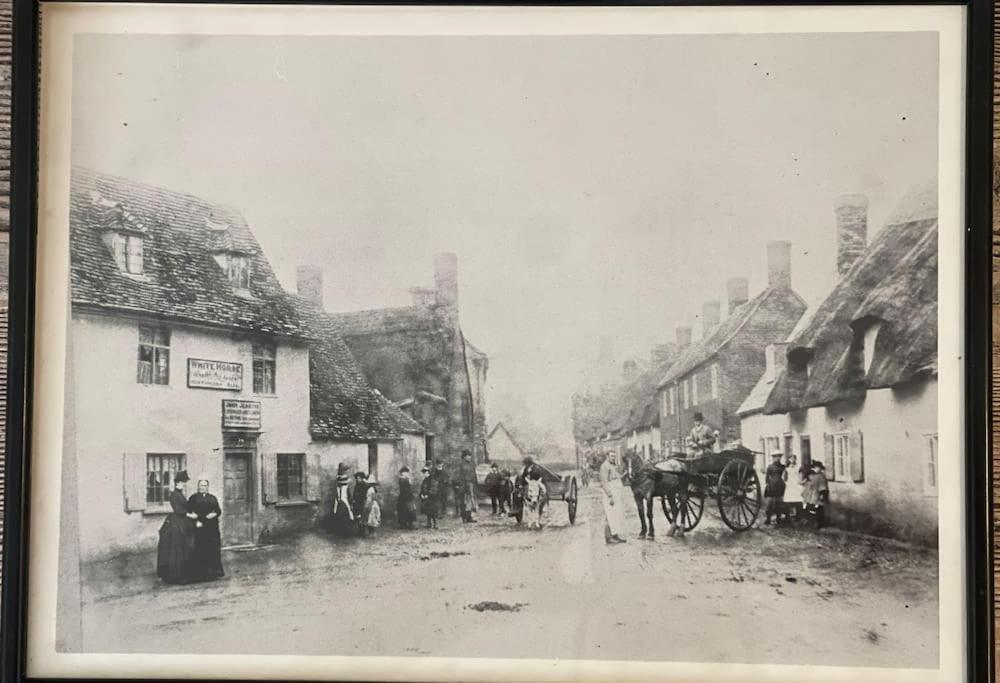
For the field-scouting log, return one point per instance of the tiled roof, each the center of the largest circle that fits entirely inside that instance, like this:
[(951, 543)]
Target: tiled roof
[(706, 347), (181, 279), (342, 405), (894, 282)]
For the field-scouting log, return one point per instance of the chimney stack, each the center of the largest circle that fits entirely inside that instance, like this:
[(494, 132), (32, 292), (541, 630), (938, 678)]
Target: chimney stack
[(852, 230), (309, 283), (710, 315), (779, 264), (661, 353), (738, 292), (630, 370), (423, 296), (683, 336), (446, 281)]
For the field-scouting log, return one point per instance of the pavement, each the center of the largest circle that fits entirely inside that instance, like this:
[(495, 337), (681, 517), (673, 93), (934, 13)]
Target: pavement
[(770, 595)]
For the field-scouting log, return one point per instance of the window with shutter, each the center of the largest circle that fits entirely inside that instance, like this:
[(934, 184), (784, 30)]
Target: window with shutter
[(269, 477), (857, 456), (314, 474), (161, 471), (134, 481), (842, 457), (290, 477), (694, 389), (715, 380)]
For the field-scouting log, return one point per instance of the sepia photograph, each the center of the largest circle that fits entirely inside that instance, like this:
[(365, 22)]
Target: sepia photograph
[(614, 347)]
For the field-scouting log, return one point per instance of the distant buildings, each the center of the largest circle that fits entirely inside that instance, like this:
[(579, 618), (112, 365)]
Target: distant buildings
[(855, 384), (714, 375)]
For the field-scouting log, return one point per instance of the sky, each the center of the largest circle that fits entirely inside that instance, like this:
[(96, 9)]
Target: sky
[(590, 185)]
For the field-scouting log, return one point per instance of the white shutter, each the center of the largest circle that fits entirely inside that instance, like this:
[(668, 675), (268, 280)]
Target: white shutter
[(134, 481), (857, 443), (313, 476), (269, 477)]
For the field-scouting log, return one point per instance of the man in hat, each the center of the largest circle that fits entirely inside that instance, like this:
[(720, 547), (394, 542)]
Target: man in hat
[(429, 504), (701, 438), (494, 486), (343, 514), (774, 489), (444, 483), (358, 497), (467, 480), (520, 482)]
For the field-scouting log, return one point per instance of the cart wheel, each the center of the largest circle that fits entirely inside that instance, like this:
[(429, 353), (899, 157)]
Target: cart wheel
[(571, 501), (691, 509), (739, 495)]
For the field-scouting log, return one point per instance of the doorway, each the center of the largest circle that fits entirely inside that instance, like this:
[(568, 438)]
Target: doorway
[(237, 504)]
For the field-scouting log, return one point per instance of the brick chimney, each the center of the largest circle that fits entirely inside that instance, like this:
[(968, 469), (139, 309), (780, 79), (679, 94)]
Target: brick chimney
[(630, 370), (309, 283), (423, 296), (852, 229), (446, 281), (683, 336), (738, 292), (779, 264), (661, 353), (710, 315)]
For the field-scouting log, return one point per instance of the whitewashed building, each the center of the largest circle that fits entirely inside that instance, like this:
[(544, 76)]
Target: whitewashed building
[(855, 385), (186, 354)]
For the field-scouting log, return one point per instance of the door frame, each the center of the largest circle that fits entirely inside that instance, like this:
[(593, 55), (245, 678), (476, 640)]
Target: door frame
[(250, 452)]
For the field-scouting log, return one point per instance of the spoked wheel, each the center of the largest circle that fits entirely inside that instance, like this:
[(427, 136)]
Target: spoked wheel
[(690, 510), (571, 501), (739, 495)]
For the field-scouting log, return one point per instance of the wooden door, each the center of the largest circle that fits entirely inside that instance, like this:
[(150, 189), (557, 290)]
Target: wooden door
[(237, 504)]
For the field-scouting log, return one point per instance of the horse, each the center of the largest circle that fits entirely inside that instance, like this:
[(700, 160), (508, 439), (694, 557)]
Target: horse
[(647, 482)]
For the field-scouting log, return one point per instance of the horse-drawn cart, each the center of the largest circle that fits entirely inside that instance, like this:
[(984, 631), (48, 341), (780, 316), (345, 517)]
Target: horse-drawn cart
[(557, 487), (728, 477)]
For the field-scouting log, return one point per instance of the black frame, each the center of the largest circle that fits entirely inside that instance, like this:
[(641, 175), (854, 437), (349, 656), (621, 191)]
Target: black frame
[(978, 310)]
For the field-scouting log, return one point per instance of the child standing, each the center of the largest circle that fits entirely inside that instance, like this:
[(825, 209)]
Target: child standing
[(816, 493), (534, 491), (429, 489), (373, 511)]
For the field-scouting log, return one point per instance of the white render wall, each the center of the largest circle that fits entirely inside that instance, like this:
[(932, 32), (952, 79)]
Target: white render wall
[(642, 440), (113, 415), (892, 499)]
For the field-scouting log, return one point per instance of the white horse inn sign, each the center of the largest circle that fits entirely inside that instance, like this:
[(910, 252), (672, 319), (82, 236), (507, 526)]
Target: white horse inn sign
[(214, 374)]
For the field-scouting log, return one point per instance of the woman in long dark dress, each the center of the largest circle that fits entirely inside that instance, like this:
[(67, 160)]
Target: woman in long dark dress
[(343, 515), (206, 560), (173, 553), (406, 509)]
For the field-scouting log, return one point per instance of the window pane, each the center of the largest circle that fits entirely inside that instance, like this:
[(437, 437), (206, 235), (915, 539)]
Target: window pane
[(146, 335), (163, 366), (118, 248), (134, 254)]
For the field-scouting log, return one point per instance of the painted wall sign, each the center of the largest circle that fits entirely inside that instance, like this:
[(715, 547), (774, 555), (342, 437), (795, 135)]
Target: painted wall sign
[(240, 414), (214, 374)]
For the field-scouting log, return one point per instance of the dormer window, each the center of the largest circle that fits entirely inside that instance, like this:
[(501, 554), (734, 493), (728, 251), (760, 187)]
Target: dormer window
[(122, 234), (866, 331), (127, 250), (239, 272)]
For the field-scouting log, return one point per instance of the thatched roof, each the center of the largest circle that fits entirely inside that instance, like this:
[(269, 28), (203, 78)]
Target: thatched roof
[(893, 284)]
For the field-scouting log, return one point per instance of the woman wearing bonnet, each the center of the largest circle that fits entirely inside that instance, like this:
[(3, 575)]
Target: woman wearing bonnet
[(206, 559)]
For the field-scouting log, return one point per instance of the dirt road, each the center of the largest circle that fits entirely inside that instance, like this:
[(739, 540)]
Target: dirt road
[(493, 590)]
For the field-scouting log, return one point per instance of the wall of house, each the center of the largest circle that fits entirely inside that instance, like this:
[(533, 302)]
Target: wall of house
[(502, 448), (646, 441), (892, 499), (165, 419)]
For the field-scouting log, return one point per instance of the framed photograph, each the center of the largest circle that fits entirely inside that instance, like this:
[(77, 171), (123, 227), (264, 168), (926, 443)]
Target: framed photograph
[(500, 343)]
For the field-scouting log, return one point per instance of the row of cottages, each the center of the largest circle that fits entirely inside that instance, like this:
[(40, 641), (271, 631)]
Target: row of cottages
[(419, 359), (187, 354), (714, 375), (855, 384)]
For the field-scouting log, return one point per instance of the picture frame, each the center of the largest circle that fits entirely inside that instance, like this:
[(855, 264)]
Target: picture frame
[(31, 288)]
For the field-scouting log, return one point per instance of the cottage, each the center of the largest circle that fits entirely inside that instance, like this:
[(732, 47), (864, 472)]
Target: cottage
[(504, 447), (418, 358), (855, 384), (714, 375), (186, 354)]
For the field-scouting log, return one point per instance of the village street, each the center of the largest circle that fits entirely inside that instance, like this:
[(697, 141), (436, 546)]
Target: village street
[(493, 590)]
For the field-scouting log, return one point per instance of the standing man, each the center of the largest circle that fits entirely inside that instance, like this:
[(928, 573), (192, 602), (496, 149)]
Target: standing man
[(467, 480), (701, 438), (613, 499), (774, 489), (444, 483), (358, 497), (494, 486)]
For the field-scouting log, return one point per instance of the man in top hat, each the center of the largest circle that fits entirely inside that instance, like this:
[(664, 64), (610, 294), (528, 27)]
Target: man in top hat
[(701, 438), (444, 483), (494, 486)]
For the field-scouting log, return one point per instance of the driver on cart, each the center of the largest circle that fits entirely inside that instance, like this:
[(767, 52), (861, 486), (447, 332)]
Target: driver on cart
[(701, 439)]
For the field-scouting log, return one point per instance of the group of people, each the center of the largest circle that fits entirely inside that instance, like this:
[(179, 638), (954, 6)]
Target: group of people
[(815, 491), (356, 511), (190, 547)]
